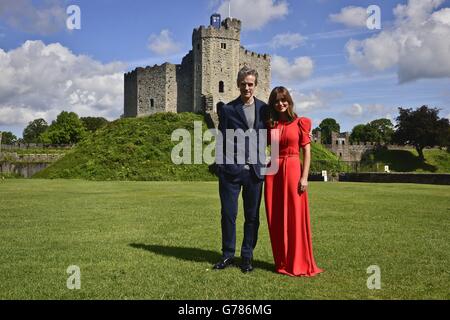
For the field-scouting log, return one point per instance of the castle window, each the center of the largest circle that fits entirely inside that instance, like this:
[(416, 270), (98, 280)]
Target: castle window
[(223, 45), (152, 103), (221, 87), (340, 154)]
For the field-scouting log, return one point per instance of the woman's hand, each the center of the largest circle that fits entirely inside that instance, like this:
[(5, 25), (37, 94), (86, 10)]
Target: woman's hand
[(302, 185)]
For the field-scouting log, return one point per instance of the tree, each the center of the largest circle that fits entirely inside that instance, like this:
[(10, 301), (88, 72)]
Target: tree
[(444, 133), (380, 131), (92, 124), (32, 133), (8, 138), (327, 126), (67, 129), (358, 133), (421, 128)]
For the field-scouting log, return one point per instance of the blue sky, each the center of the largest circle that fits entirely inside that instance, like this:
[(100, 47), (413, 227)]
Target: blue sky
[(321, 49)]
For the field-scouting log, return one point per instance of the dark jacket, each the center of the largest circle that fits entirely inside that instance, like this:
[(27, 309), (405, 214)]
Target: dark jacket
[(232, 116)]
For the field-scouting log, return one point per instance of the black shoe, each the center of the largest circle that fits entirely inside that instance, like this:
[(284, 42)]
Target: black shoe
[(246, 265), (224, 263)]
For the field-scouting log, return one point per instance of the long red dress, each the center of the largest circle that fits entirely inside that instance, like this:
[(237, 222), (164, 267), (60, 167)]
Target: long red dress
[(287, 210)]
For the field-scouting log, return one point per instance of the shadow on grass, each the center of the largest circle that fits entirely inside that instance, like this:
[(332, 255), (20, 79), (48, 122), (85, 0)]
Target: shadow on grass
[(403, 161), (194, 254)]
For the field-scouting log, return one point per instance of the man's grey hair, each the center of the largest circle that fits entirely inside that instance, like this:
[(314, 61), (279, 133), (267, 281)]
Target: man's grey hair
[(247, 71)]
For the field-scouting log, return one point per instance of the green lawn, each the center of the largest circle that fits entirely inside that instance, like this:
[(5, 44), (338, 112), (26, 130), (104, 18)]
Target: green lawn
[(158, 240)]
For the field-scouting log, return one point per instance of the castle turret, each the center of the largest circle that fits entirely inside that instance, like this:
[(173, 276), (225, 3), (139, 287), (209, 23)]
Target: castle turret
[(216, 63)]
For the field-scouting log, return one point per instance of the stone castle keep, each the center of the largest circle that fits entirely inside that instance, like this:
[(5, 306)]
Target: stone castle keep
[(205, 78)]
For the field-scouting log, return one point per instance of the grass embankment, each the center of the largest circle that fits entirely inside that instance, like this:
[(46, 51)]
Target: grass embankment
[(436, 160)]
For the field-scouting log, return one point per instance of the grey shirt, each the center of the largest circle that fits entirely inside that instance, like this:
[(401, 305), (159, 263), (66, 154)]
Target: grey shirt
[(250, 114)]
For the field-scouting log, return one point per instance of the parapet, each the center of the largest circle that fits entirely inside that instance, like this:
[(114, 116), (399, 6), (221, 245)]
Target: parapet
[(229, 29), (252, 54), (154, 68)]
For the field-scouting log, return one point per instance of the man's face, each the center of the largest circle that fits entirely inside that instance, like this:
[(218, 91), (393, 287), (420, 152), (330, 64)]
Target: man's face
[(247, 87)]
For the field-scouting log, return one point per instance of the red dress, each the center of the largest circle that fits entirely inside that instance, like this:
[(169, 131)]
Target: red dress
[(287, 210)]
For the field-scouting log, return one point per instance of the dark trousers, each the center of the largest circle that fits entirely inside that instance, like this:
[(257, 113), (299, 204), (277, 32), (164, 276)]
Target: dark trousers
[(229, 190)]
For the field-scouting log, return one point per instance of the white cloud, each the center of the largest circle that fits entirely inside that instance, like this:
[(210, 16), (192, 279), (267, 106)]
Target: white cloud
[(368, 111), (356, 110), (255, 14), (163, 44), (23, 15), (442, 16), (40, 81), (417, 45), (291, 40), (313, 101), (351, 16), (300, 69)]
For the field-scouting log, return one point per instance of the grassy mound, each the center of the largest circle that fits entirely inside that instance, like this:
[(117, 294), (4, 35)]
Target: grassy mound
[(324, 159), (131, 149), (140, 149), (436, 160)]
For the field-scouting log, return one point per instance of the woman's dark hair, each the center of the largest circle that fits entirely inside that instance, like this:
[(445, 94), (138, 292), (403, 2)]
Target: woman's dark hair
[(273, 115)]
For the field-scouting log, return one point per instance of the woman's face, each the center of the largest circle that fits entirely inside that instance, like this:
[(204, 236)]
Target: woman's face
[(281, 104)]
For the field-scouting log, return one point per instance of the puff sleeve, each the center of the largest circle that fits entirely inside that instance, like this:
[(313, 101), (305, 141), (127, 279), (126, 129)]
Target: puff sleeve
[(305, 128)]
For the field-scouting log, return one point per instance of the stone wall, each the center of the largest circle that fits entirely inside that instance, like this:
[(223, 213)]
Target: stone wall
[(171, 88), (216, 63), (130, 94), (261, 63), (26, 165), (26, 146), (422, 178), (356, 151), (151, 90), (185, 88)]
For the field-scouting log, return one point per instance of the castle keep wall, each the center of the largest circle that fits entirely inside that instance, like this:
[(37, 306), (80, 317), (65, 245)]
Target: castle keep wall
[(171, 88), (261, 63), (151, 86), (185, 85), (130, 97)]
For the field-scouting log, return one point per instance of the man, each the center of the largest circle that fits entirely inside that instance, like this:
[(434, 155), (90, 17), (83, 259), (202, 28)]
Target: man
[(247, 114)]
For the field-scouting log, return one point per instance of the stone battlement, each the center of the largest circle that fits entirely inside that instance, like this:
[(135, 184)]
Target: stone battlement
[(254, 54)]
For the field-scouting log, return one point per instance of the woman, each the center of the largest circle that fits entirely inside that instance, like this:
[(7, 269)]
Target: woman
[(286, 192)]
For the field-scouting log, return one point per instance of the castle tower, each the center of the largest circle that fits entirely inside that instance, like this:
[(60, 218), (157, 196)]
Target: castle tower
[(216, 51), (205, 78)]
